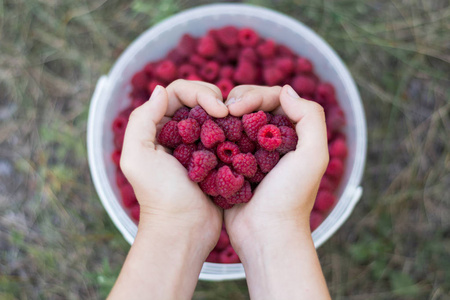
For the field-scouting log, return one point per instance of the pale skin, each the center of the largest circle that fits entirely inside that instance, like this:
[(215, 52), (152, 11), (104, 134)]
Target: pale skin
[(180, 226)]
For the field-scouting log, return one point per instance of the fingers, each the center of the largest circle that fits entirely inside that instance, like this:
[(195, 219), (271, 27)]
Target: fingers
[(191, 93), (310, 122), (141, 128), (249, 98)]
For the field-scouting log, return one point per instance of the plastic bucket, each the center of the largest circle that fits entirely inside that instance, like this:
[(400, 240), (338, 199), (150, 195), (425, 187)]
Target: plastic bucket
[(111, 96)]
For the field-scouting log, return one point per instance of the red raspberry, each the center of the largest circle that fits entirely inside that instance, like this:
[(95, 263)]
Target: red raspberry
[(338, 148), (128, 197), (335, 168), (169, 136), (283, 51), (325, 94), (245, 164), (248, 54), (120, 124), (135, 212), (269, 117), (189, 130), (303, 65), (266, 49), (222, 202), (248, 37), (315, 220), (139, 95), (289, 139), (243, 195), (197, 60), (324, 200), (246, 73), (225, 85), (228, 183), (208, 185), (199, 114), (181, 114), (226, 72), (327, 184), (194, 77), (121, 180), (228, 256), (273, 76), (232, 54), (304, 85), (253, 122), (207, 46), (140, 80), (201, 163), (259, 176), (149, 69), (137, 102), (200, 146), (186, 70), (335, 118), (226, 151), (223, 242), (176, 57), (281, 120), (269, 137), (228, 36), (152, 85), (285, 65), (187, 45), (115, 156), (166, 71), (184, 153), (213, 257), (118, 141), (211, 134), (245, 144), (267, 159), (210, 71), (232, 126)]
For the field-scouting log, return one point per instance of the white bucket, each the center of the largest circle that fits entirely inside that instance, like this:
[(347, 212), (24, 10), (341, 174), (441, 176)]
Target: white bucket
[(111, 96)]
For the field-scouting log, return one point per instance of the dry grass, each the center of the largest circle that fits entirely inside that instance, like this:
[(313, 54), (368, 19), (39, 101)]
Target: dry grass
[(56, 241)]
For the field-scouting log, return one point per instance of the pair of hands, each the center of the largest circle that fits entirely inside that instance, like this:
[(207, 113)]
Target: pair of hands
[(170, 200)]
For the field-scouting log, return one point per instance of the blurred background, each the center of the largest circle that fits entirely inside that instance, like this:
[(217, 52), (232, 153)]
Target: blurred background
[(56, 240)]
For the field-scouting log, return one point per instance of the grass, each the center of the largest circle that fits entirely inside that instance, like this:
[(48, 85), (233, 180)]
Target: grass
[(56, 241)]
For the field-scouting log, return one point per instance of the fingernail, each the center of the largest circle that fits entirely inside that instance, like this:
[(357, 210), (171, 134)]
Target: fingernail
[(220, 102), (155, 93), (292, 93), (231, 101)]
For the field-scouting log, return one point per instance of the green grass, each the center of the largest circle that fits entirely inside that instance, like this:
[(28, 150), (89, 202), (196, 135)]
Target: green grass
[(57, 242)]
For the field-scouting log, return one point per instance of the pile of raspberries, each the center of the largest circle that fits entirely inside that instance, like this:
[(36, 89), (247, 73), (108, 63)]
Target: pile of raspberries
[(224, 163), (228, 157)]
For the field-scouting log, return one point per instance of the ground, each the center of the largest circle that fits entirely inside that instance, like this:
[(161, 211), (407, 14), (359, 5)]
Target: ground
[(56, 240)]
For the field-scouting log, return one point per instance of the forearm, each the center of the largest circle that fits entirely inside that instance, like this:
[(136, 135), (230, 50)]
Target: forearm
[(163, 263), (283, 264)]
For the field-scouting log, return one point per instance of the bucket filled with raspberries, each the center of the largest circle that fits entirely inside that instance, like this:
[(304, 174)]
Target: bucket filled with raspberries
[(229, 45)]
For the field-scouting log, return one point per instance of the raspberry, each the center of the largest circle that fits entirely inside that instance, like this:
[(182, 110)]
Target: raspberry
[(118, 141), (266, 49), (152, 85), (245, 164), (225, 85), (266, 159), (222, 202), (324, 200), (304, 85), (223, 242), (289, 139), (338, 148), (281, 120), (327, 184), (228, 36), (269, 137), (253, 122), (121, 180), (285, 65), (184, 153), (201, 163), (232, 126), (207, 46), (115, 156), (259, 176), (128, 197), (137, 102), (199, 114), (245, 144), (208, 185), (226, 72), (189, 130), (248, 54), (211, 134), (245, 72), (247, 37), (186, 70), (303, 65), (176, 57), (181, 114), (213, 257), (140, 80), (120, 124), (139, 94), (324, 93), (228, 183), (335, 168), (166, 71), (243, 195), (228, 256), (197, 60), (273, 76), (187, 45), (169, 136), (149, 69), (194, 77), (200, 146), (135, 212), (283, 51), (335, 118), (232, 54), (269, 117), (210, 71), (315, 220), (226, 151)]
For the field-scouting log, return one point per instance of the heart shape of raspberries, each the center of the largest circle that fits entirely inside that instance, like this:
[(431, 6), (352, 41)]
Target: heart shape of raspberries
[(230, 156)]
